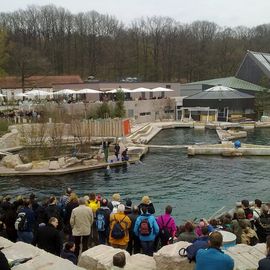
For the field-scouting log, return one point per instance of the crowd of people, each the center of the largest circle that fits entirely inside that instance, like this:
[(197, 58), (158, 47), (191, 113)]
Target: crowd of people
[(72, 224)]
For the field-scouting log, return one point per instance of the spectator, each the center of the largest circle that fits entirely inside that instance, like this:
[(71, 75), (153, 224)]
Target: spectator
[(49, 238), (167, 227), (213, 258), (147, 237), (81, 221), (103, 221), (188, 234), (134, 245), (149, 205), (120, 218), (68, 252), (264, 264), (25, 233), (3, 262), (116, 198)]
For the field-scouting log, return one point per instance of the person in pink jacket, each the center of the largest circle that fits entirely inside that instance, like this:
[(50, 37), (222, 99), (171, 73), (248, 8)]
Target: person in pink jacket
[(167, 226)]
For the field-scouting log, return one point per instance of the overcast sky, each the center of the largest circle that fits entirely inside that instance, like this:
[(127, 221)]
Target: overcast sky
[(223, 12)]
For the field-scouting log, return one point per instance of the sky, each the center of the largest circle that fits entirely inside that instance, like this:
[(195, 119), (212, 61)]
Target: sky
[(226, 13)]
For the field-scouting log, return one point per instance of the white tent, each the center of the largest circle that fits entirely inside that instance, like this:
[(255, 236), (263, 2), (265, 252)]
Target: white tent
[(21, 95), (161, 89), (65, 92), (140, 90), (2, 95), (36, 92), (88, 91), (125, 90)]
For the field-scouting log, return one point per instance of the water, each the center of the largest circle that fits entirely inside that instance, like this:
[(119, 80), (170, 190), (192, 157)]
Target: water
[(195, 187)]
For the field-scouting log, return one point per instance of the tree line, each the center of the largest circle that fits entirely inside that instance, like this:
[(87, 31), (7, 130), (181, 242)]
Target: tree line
[(52, 41)]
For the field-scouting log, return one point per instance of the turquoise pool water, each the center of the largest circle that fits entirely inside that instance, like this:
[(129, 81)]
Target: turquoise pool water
[(195, 187)]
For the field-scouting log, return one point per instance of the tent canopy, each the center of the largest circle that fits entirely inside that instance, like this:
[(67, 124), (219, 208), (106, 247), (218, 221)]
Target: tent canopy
[(88, 91), (161, 89), (65, 92), (141, 90)]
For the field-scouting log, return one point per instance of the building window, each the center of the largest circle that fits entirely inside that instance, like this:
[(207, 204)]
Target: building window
[(168, 86), (145, 113)]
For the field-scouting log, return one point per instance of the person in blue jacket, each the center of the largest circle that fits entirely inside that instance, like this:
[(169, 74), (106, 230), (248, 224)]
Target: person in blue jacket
[(264, 264), (147, 235), (214, 258)]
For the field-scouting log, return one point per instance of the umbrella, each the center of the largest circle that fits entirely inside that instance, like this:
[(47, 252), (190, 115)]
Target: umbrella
[(125, 90), (140, 90), (88, 91), (65, 92), (2, 95), (161, 89), (38, 93)]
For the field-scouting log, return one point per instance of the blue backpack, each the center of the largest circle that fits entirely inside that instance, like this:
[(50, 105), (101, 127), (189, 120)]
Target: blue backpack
[(117, 231), (100, 222)]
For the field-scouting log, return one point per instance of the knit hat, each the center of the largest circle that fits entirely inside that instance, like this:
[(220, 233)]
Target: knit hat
[(146, 200), (116, 197)]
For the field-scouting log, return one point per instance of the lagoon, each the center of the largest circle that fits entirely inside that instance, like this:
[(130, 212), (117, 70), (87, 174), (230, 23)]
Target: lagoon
[(196, 187)]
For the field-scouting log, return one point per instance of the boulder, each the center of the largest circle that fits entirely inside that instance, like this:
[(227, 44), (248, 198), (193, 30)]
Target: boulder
[(11, 161), (71, 161), (90, 162), (40, 259), (42, 164), (24, 167), (99, 257), (168, 258), (54, 165), (62, 161), (140, 261), (47, 261)]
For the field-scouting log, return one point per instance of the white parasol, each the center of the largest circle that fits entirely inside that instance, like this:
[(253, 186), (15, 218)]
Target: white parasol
[(141, 90), (65, 92), (88, 91), (161, 89)]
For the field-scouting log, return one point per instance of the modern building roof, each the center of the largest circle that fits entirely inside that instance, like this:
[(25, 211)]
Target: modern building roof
[(262, 60), (12, 82), (232, 82), (220, 92)]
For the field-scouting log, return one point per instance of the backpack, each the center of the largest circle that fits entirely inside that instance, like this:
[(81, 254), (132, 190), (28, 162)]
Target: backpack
[(145, 228), (191, 251), (164, 233), (100, 222), (21, 222), (117, 231)]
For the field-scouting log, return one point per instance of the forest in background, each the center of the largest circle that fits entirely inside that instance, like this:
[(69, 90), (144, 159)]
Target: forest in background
[(47, 40)]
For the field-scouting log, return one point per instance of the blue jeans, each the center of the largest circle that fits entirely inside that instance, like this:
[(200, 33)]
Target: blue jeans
[(26, 237), (147, 247)]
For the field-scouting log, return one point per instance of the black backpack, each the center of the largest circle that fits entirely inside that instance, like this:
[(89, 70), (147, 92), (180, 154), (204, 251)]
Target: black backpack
[(164, 233), (117, 231)]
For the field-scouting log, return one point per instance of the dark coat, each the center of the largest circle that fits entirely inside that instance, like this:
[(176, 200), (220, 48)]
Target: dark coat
[(3, 262), (49, 239), (150, 208), (69, 255), (264, 264)]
